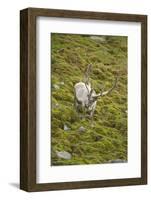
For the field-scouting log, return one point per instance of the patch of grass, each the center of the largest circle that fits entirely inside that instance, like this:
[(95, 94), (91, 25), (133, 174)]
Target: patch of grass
[(107, 139)]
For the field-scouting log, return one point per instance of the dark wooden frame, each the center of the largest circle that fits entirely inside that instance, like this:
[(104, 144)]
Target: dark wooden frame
[(28, 98)]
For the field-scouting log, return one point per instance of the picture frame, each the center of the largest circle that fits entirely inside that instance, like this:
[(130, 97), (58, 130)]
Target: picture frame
[(28, 98)]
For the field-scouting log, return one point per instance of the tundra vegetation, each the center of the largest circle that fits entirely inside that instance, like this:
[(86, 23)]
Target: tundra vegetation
[(73, 139)]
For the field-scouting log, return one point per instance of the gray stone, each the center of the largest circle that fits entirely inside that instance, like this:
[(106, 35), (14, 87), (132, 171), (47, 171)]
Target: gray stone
[(55, 86), (82, 129), (66, 128), (118, 161), (64, 154), (61, 50), (98, 138), (61, 83), (97, 38), (55, 105)]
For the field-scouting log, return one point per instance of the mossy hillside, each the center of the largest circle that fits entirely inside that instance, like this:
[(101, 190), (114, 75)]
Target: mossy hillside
[(107, 139)]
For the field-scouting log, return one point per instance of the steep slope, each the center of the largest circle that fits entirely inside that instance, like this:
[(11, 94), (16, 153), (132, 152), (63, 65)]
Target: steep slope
[(106, 141)]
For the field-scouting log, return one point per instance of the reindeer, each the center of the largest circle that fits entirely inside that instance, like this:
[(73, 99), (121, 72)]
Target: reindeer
[(86, 97)]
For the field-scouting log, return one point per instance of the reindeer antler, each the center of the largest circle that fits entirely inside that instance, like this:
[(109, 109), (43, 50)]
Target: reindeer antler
[(108, 91), (86, 76), (101, 89), (87, 73)]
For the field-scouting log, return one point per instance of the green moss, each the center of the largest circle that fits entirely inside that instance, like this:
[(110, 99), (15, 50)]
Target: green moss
[(107, 139)]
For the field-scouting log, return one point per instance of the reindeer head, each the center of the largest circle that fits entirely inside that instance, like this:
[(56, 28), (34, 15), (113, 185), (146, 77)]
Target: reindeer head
[(92, 96)]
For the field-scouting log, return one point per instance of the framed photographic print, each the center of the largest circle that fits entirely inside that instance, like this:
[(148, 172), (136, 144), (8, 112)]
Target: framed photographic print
[(83, 99)]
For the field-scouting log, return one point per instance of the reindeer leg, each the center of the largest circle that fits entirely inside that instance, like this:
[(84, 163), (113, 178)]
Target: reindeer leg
[(78, 107), (85, 113), (91, 117), (80, 111), (83, 110)]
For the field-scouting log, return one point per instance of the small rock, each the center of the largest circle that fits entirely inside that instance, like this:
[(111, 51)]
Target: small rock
[(64, 154), (118, 161), (55, 105), (61, 83), (61, 50), (98, 138), (82, 129), (55, 86), (66, 128), (101, 39)]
